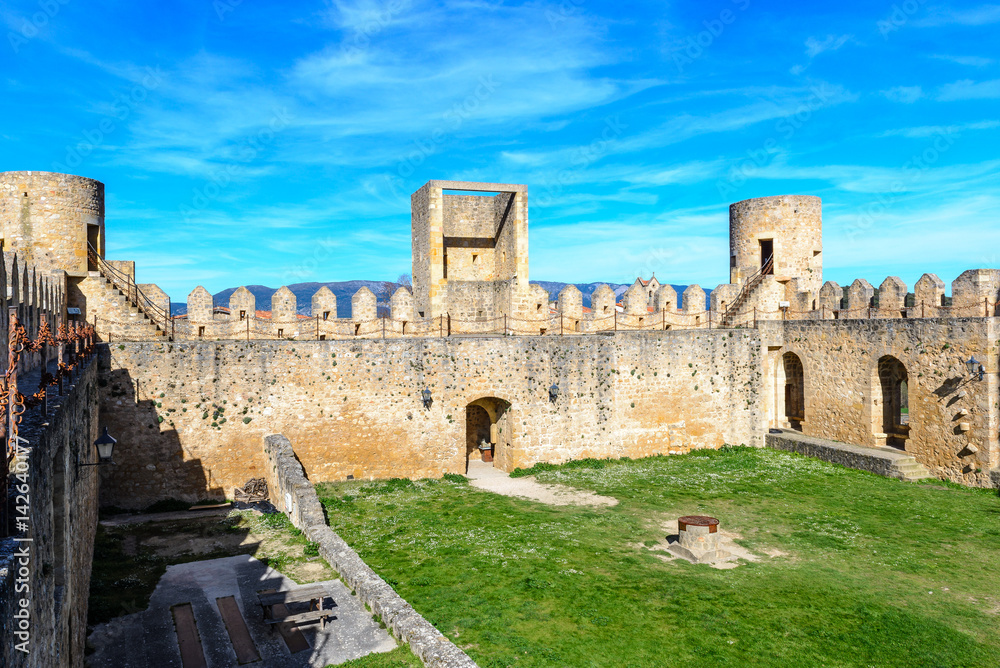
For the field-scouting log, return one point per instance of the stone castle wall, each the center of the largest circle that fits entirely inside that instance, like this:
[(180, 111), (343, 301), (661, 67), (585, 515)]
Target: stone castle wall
[(354, 408), (63, 523), (953, 417)]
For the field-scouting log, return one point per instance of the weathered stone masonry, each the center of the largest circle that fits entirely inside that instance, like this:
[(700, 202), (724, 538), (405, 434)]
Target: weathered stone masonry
[(354, 408), (63, 523), (953, 417)]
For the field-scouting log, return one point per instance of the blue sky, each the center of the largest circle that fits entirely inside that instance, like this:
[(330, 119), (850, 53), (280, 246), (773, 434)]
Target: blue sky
[(249, 142)]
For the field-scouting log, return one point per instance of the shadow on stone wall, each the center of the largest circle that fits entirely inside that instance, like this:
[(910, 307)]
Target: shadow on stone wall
[(146, 454)]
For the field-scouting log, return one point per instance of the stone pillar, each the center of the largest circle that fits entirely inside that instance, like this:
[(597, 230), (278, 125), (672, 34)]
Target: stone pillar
[(602, 308)]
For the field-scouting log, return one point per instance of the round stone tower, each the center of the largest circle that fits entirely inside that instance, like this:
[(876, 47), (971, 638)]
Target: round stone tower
[(49, 219), (787, 228)]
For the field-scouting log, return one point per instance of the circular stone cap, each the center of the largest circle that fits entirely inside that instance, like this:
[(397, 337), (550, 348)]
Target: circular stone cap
[(698, 521)]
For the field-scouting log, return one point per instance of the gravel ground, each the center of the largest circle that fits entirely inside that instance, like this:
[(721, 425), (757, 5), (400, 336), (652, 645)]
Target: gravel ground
[(482, 475)]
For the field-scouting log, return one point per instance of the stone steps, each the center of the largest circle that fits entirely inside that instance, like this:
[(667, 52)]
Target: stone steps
[(129, 312), (912, 470)]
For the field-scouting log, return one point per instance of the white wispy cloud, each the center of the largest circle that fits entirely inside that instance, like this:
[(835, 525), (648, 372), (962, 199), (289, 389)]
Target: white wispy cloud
[(779, 104), (815, 46), (944, 16), (923, 235), (924, 131), (967, 89), (970, 61), (904, 94)]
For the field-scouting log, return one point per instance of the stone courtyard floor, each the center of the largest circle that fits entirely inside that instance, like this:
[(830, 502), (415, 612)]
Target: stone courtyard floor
[(149, 638), (163, 580)]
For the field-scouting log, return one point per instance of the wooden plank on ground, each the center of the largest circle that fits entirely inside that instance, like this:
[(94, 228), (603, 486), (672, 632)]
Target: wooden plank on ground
[(300, 617), (294, 640), (192, 654), (239, 635), (306, 593)]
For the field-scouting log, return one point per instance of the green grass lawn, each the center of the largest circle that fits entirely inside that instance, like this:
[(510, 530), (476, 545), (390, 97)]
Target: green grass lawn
[(869, 571)]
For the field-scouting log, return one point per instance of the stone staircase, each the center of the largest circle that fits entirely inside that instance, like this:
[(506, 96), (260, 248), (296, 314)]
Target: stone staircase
[(883, 460), (118, 316), (749, 286), (910, 469)]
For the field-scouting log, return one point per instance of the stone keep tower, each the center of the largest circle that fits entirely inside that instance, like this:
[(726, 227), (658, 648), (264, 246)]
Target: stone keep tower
[(48, 219), (470, 252), (788, 228)]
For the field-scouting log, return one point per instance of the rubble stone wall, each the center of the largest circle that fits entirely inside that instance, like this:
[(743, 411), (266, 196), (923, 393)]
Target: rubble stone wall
[(355, 407)]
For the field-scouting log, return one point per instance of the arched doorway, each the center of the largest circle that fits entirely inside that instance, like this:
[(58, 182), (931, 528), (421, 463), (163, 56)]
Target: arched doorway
[(890, 403), (789, 391), (795, 394), (487, 435)]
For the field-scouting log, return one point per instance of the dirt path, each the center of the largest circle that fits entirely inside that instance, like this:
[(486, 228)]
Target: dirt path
[(483, 476)]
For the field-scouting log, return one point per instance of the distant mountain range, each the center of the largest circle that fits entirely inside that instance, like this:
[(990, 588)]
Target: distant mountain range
[(344, 290)]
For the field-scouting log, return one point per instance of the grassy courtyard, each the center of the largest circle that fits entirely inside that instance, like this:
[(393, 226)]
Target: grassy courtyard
[(853, 569)]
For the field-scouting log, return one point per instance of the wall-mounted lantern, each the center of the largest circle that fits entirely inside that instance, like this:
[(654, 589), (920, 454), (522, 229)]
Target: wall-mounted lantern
[(105, 444), (426, 398), (975, 368), (553, 393)]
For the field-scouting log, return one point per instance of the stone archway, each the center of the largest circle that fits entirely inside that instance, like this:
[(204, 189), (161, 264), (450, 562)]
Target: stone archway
[(789, 392), (890, 403), (487, 431)]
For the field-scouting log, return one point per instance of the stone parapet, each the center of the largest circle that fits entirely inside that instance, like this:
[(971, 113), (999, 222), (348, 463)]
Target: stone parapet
[(56, 560)]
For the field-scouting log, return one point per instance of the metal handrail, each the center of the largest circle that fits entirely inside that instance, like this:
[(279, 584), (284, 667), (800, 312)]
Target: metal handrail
[(127, 285), (748, 287)]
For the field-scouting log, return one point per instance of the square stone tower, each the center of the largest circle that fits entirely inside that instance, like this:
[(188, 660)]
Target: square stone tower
[(470, 251)]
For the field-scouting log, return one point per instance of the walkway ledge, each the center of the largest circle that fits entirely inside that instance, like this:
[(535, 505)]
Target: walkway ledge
[(885, 461)]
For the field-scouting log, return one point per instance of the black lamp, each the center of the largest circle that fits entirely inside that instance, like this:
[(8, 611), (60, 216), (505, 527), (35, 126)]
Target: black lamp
[(553, 393), (975, 368), (426, 396), (105, 444)]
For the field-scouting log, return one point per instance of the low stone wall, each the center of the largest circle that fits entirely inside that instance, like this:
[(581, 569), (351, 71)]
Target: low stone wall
[(51, 570), (293, 493), (880, 461)]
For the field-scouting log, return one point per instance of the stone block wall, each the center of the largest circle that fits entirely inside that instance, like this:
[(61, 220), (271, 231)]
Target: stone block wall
[(63, 522), (975, 293), (952, 417), (354, 407)]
